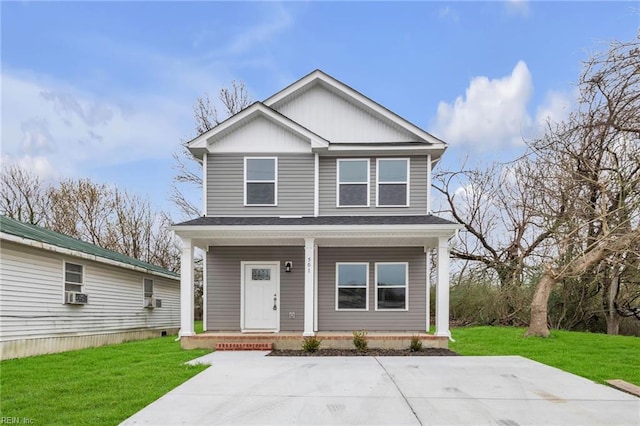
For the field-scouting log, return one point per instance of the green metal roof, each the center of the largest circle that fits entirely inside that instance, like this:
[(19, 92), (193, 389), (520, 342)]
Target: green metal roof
[(37, 233)]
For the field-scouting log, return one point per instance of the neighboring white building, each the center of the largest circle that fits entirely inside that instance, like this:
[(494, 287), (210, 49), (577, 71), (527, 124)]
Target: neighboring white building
[(58, 293)]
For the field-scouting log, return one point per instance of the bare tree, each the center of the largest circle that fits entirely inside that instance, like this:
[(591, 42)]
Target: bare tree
[(495, 205), (588, 169), (22, 195), (188, 174)]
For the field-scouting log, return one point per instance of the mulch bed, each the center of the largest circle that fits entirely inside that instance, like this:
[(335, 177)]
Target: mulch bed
[(369, 352)]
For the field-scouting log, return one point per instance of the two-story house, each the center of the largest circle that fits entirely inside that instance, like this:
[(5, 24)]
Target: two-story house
[(317, 218)]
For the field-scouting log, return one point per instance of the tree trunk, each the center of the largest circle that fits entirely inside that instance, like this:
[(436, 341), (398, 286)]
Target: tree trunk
[(538, 325), (610, 312)]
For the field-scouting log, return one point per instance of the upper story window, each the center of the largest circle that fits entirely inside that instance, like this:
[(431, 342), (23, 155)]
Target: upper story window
[(260, 181), (393, 182), (73, 277), (353, 183)]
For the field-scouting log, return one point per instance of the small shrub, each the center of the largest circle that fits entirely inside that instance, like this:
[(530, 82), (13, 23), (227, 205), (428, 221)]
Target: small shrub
[(360, 340), (311, 344), (416, 344)]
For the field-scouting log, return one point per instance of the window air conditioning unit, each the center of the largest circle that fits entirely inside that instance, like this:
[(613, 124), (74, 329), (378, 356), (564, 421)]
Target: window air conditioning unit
[(150, 302), (74, 298)]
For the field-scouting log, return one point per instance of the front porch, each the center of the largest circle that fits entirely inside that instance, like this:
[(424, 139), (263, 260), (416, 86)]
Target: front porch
[(293, 340)]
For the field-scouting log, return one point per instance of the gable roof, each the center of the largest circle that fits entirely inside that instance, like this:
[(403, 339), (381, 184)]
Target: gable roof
[(320, 77), (24, 231), (198, 145), (268, 109)]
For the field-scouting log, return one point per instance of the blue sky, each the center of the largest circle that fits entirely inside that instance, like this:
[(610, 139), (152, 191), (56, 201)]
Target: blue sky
[(105, 90)]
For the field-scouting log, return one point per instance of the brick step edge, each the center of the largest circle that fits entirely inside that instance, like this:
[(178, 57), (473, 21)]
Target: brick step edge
[(243, 346), (625, 387)]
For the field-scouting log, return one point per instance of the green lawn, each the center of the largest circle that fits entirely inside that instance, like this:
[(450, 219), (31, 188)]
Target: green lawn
[(595, 356), (93, 386)]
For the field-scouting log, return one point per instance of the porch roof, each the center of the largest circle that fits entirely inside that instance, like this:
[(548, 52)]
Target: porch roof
[(418, 230)]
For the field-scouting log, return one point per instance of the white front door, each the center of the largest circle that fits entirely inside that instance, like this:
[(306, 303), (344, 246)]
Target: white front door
[(261, 296)]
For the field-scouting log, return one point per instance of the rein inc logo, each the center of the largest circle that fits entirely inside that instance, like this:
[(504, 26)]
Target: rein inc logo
[(16, 421)]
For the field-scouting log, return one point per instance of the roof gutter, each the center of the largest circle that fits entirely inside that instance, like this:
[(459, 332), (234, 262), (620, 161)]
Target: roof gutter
[(76, 253)]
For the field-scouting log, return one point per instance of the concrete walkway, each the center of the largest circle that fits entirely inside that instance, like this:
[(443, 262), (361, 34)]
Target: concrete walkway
[(249, 388)]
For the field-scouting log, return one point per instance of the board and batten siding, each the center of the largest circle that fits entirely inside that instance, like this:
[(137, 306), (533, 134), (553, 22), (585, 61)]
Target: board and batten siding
[(329, 319), (417, 195), (225, 186), (32, 304), (223, 284), (338, 119)]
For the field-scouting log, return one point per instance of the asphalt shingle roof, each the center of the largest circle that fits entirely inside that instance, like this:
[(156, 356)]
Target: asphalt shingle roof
[(322, 220), (37, 233)]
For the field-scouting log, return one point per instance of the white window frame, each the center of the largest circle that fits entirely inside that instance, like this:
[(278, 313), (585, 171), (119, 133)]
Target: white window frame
[(153, 288), (338, 183), (64, 278), (274, 181), (406, 286), (366, 308), (378, 182)]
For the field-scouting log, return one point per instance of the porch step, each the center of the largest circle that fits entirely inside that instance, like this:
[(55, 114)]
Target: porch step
[(243, 346)]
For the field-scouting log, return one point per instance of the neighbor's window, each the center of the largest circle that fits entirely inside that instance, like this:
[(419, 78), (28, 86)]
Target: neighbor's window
[(353, 183), (148, 287), (393, 182), (391, 286), (261, 181), (352, 283), (73, 277)]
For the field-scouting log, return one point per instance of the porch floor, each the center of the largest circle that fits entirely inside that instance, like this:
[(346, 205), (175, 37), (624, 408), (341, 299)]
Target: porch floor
[(330, 339)]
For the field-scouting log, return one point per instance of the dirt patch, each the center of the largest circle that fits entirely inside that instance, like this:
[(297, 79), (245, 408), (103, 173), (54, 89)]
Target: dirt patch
[(370, 352)]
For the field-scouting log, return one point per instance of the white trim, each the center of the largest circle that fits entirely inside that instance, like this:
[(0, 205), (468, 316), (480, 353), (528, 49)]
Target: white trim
[(316, 184), (315, 295), (429, 171), (276, 266), (338, 183), (406, 182), (318, 75), (427, 260), (64, 278), (186, 289), (204, 184), (366, 308), (406, 286), (202, 142), (75, 253), (309, 286), (442, 289), (204, 290), (274, 181)]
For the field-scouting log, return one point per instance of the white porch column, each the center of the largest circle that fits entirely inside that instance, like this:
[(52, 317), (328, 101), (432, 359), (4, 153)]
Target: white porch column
[(427, 261), (186, 289), (309, 285), (442, 289)]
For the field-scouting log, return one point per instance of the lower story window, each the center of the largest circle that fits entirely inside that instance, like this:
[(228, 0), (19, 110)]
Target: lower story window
[(391, 286), (352, 283)]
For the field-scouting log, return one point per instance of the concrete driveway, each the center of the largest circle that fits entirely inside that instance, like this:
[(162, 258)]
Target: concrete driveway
[(249, 388)]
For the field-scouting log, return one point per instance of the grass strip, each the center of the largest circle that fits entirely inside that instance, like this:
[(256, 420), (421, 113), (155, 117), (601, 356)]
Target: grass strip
[(102, 385), (597, 357)]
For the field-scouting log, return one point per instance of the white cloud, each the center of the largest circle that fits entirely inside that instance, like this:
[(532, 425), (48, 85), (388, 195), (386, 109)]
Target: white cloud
[(49, 123), (39, 165), (517, 7), (556, 107), (492, 113), (448, 13)]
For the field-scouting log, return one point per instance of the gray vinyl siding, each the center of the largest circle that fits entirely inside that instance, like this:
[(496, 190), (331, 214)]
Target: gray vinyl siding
[(223, 284), (331, 320), (417, 195), (225, 186), (31, 297)]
